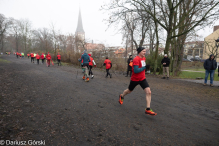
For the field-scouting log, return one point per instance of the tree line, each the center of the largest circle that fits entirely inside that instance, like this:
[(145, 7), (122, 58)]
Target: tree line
[(19, 36), (153, 21)]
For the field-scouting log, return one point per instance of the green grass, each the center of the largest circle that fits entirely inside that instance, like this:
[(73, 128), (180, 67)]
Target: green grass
[(194, 75), (194, 69), (4, 61)]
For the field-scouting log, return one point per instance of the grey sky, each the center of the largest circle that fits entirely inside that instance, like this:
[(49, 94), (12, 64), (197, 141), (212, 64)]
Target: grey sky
[(64, 15)]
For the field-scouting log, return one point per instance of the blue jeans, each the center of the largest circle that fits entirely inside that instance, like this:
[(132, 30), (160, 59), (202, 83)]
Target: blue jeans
[(211, 72)]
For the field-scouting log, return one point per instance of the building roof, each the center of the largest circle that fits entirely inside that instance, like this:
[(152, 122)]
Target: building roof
[(213, 35)]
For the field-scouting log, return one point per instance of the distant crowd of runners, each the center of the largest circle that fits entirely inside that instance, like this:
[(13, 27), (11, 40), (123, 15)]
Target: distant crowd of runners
[(38, 57)]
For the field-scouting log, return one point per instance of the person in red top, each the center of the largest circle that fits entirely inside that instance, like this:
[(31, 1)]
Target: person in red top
[(48, 57), (20, 55), (108, 65), (59, 59), (38, 58), (32, 57), (138, 78), (28, 55), (17, 54), (42, 57), (91, 63)]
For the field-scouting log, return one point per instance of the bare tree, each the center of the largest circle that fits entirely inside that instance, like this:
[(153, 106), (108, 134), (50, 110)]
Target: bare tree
[(4, 26)]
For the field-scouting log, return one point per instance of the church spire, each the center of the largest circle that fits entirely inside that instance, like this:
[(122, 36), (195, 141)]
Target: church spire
[(80, 24)]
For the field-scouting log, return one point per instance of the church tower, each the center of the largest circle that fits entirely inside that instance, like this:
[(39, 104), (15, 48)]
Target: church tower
[(80, 34)]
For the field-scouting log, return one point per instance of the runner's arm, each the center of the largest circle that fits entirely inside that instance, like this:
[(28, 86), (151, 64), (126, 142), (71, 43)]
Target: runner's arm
[(138, 70), (94, 62)]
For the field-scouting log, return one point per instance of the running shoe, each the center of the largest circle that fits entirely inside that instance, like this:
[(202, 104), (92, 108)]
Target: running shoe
[(121, 99), (87, 80), (150, 112), (83, 77), (92, 76)]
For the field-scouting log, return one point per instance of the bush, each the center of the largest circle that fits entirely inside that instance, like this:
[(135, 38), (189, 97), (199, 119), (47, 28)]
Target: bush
[(150, 61)]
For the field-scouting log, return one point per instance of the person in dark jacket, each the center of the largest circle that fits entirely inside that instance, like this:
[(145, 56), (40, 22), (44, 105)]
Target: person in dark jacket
[(86, 60), (129, 68), (210, 66), (218, 70), (166, 62)]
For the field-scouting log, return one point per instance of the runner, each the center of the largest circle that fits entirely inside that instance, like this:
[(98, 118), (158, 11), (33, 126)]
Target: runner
[(20, 54), (17, 54), (108, 65), (28, 55), (81, 63), (86, 60), (91, 63), (32, 57), (38, 58), (138, 78), (48, 57), (59, 59), (42, 57)]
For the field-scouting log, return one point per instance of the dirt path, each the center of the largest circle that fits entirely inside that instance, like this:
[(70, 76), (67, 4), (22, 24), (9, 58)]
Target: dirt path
[(55, 105)]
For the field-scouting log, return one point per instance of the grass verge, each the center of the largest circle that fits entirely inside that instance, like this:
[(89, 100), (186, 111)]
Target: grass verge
[(4, 61), (194, 75)]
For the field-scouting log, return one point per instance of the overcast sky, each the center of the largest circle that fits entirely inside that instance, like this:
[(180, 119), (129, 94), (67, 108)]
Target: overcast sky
[(64, 15)]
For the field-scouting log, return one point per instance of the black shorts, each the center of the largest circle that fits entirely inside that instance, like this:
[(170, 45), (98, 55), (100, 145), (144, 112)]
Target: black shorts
[(86, 65), (144, 84)]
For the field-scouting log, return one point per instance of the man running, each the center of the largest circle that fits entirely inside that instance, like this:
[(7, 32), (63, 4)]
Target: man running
[(38, 58), (138, 78), (48, 57), (59, 59), (28, 55), (32, 57), (86, 60), (42, 57), (108, 65), (81, 63), (91, 63)]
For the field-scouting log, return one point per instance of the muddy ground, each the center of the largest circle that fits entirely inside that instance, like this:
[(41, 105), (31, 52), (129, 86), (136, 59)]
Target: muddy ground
[(55, 105)]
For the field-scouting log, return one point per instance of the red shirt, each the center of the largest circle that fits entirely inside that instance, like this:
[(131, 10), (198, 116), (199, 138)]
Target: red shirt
[(42, 56), (59, 57), (108, 63), (37, 56), (141, 75), (31, 55), (48, 57), (91, 61), (28, 54)]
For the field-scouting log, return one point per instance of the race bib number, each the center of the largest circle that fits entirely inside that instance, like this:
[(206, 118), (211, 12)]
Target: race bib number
[(143, 63)]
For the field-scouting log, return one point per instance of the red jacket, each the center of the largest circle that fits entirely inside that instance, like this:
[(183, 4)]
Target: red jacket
[(28, 54), (42, 56), (108, 63), (37, 56), (31, 55), (91, 61), (59, 57), (48, 57)]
